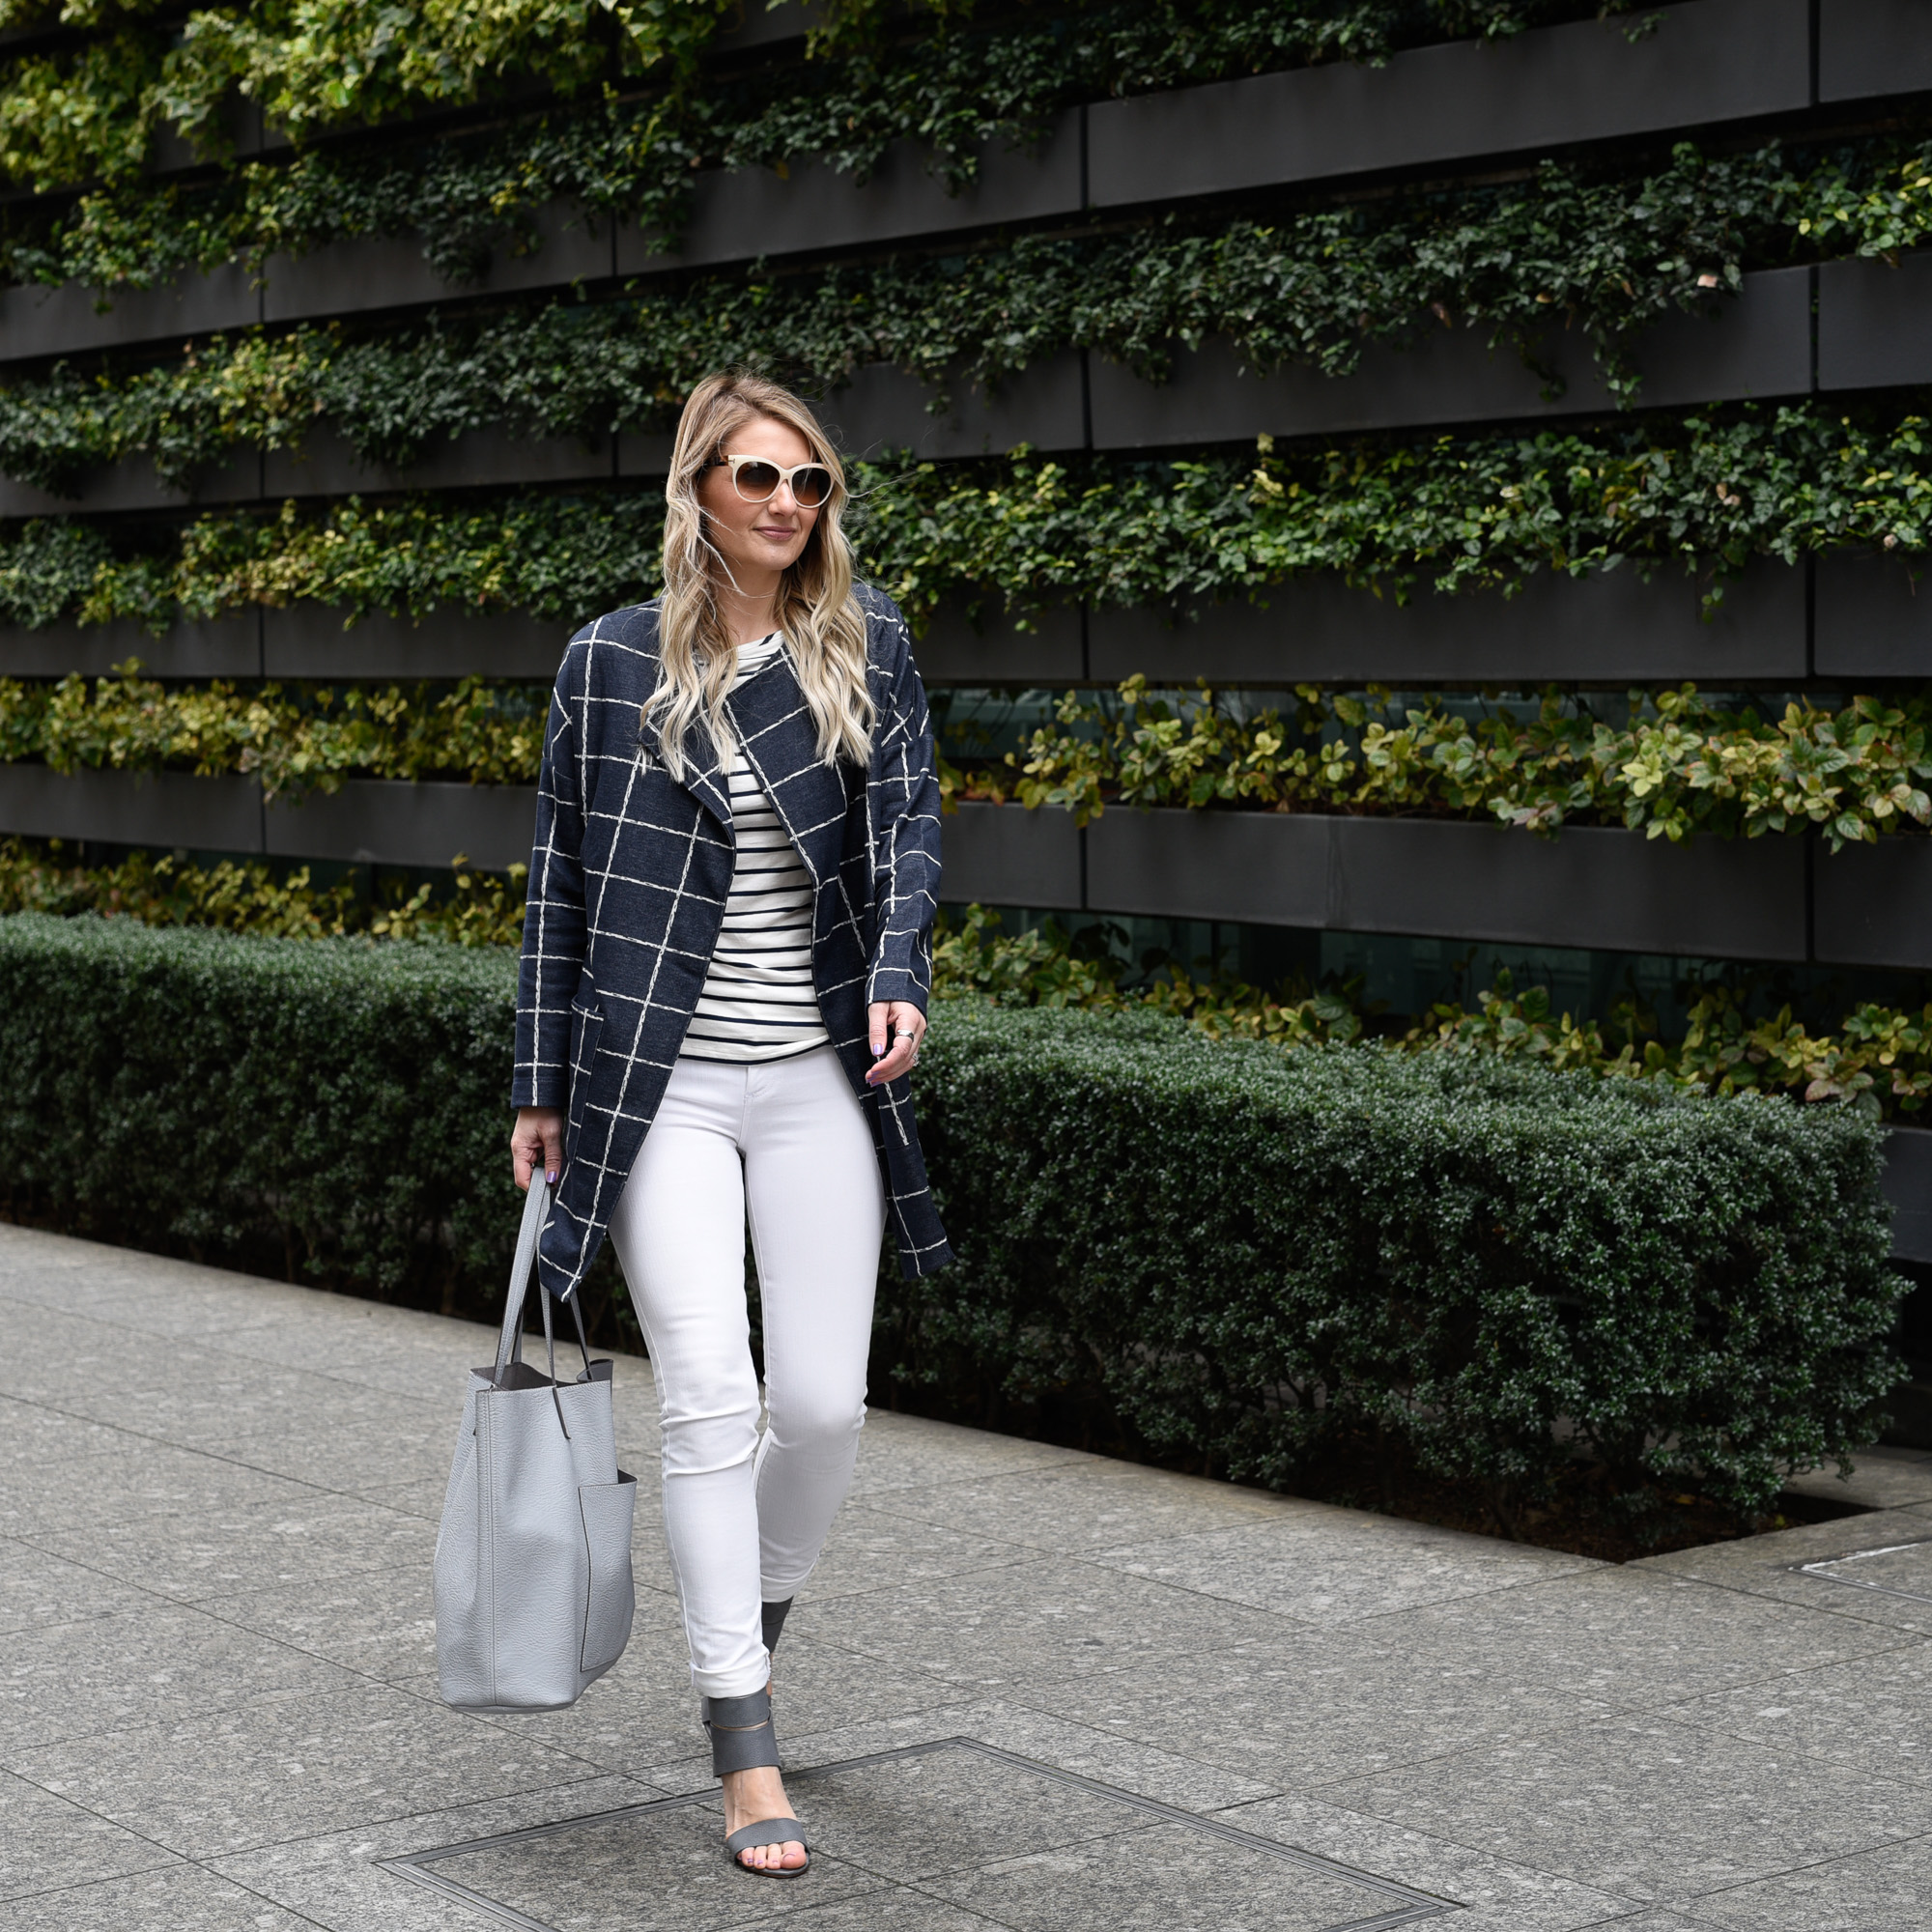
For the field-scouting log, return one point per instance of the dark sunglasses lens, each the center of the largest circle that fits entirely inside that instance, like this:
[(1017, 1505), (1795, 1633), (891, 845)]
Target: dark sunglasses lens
[(811, 486), (756, 481)]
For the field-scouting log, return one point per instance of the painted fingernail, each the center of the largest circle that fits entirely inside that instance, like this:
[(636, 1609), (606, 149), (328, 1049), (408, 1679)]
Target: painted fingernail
[(551, 1176)]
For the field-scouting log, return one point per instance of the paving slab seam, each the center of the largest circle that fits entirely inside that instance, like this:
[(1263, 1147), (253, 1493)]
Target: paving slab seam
[(1687, 1910), (42, 1547), (1367, 1616), (1409, 1904), (390, 1820), (187, 1448), (1831, 1604)]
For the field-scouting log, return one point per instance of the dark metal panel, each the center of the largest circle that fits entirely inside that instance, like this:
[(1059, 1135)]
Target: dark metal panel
[(1874, 615), (39, 321), (1867, 47), (389, 822), (643, 455), (1004, 855), (955, 651), (739, 214), (1269, 869), (759, 26), (1611, 627), (1874, 320), (1908, 1191), (1759, 345), (317, 641), (1710, 61), (327, 466), (372, 272), (132, 808), (1872, 904), (885, 408), (134, 486), (1589, 887), (225, 646)]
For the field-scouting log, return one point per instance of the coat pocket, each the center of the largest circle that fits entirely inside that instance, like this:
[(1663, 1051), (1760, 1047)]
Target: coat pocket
[(586, 1028), (609, 1509)]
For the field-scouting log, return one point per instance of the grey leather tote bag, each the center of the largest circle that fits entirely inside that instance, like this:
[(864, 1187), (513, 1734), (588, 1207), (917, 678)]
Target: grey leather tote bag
[(533, 1591)]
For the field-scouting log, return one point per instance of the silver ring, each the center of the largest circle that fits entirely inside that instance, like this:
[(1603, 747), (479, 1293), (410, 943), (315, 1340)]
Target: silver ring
[(904, 1032)]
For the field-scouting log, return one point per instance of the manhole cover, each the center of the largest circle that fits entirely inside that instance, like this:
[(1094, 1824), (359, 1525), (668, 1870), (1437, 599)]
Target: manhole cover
[(1897, 1569), (902, 1835)]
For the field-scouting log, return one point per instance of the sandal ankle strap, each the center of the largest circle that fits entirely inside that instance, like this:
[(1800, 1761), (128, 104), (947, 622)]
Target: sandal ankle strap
[(742, 1734)]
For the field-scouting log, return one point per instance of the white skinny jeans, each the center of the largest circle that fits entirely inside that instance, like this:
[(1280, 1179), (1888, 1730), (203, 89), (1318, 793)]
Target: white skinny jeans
[(746, 1515)]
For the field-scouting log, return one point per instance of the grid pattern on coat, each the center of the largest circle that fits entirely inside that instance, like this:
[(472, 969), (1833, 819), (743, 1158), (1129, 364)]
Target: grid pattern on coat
[(758, 1002), (629, 874)]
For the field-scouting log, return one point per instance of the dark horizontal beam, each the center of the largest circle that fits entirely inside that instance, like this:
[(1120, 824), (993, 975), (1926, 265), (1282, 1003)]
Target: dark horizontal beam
[(368, 822), (1865, 617), (1706, 63), (1755, 346), (1908, 1190), (1590, 887), (1595, 888), (1875, 319), (301, 641), (1872, 48)]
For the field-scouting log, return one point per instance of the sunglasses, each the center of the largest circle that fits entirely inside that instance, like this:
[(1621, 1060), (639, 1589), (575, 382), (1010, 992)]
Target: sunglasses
[(756, 481)]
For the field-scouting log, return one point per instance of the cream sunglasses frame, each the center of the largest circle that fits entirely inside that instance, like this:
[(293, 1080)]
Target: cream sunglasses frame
[(737, 462)]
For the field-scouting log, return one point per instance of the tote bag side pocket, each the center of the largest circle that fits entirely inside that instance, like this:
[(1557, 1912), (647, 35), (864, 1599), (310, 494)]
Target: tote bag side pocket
[(610, 1602)]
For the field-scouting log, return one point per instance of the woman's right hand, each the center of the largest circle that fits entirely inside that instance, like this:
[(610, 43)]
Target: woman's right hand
[(536, 1143)]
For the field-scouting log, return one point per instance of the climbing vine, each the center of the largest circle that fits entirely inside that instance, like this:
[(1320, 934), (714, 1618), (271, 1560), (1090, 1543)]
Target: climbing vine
[(1670, 763), (621, 153), (1603, 257), (1456, 514)]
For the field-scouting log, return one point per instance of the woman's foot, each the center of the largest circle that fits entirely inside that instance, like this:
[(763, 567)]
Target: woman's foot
[(750, 1797)]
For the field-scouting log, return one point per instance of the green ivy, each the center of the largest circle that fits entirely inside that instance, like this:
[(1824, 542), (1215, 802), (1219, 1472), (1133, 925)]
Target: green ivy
[(293, 740), (951, 91), (93, 110), (250, 895), (1462, 513), (1672, 765), (1877, 1058), (1315, 289)]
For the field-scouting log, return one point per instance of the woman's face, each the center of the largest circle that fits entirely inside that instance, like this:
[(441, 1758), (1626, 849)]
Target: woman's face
[(757, 540)]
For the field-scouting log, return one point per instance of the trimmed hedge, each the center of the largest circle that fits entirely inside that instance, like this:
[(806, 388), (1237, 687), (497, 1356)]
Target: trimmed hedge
[(328, 1110), (1247, 1256), (1260, 1258)]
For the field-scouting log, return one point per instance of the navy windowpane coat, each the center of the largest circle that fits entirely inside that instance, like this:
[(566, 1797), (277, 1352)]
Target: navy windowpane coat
[(629, 876)]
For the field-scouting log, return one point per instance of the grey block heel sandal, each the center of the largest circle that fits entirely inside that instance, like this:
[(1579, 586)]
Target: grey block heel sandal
[(743, 1739)]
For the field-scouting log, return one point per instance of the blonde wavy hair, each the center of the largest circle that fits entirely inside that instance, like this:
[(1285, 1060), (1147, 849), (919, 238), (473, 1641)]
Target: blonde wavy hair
[(814, 608)]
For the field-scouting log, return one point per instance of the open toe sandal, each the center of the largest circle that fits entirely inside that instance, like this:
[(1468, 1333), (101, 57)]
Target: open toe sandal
[(743, 1739), (768, 1831)]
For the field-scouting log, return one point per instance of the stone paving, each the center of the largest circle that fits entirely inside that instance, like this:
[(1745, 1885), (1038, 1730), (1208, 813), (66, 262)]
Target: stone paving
[(1027, 1688)]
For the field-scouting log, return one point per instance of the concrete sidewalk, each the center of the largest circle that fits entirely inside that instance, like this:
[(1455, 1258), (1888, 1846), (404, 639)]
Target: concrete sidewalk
[(1041, 1689)]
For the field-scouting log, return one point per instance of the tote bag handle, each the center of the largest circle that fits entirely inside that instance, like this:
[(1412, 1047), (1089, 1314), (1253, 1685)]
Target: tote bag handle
[(510, 1342)]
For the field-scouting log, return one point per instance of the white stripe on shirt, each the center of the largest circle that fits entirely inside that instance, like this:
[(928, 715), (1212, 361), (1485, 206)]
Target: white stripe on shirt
[(759, 1000)]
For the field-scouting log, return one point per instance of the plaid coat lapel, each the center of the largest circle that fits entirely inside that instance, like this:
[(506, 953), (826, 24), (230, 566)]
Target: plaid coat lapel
[(780, 743), (703, 778)]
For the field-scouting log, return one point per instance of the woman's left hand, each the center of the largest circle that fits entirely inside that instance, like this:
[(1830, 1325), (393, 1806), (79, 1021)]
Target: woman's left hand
[(899, 1024)]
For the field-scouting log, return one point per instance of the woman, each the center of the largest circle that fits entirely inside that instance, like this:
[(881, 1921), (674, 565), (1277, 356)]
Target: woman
[(727, 962)]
